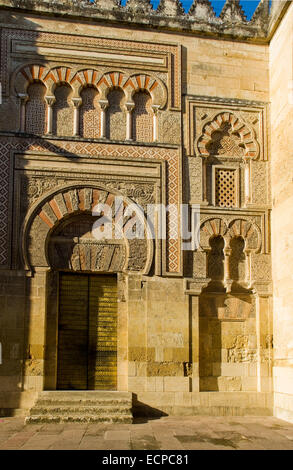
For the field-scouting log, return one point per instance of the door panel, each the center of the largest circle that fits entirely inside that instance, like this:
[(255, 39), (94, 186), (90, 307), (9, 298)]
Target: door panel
[(73, 333), (87, 339), (103, 321)]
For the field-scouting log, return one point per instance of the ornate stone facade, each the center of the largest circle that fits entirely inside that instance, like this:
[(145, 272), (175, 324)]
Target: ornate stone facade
[(150, 113)]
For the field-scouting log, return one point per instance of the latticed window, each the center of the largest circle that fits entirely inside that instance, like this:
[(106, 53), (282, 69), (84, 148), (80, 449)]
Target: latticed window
[(36, 109), (63, 111), (89, 123), (142, 118), (225, 187), (116, 117)]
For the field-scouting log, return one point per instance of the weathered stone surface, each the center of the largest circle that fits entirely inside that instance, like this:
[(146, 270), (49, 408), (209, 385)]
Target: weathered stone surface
[(169, 14), (118, 106), (78, 407)]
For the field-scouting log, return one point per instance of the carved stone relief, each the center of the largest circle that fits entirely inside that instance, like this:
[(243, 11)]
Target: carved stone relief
[(227, 307), (63, 222), (226, 134), (170, 127), (72, 246), (232, 249)]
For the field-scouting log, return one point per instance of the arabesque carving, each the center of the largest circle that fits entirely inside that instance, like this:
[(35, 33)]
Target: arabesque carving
[(228, 135), (45, 217)]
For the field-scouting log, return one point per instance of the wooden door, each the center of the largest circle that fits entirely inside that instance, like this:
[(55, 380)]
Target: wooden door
[(87, 333)]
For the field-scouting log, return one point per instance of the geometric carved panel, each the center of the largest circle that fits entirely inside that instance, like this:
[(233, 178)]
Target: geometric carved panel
[(225, 188)]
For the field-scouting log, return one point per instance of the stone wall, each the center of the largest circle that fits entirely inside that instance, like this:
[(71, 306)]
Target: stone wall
[(17, 386), (281, 85), (184, 344)]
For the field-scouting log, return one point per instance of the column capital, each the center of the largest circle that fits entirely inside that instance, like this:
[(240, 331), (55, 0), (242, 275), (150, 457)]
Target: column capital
[(23, 97), (104, 104), (129, 107), (155, 108), (227, 251), (50, 100), (76, 102)]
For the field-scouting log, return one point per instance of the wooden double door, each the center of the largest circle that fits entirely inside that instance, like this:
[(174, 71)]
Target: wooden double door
[(87, 332)]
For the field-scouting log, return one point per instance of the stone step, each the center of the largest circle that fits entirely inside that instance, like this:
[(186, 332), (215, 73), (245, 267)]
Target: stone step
[(86, 394), (82, 407), (110, 403), (79, 418), (85, 398), (52, 409)]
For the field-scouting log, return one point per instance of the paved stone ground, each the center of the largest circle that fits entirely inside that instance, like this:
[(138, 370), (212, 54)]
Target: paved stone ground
[(168, 433)]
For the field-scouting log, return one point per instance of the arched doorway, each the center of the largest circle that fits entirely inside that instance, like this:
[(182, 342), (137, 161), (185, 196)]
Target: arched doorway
[(85, 288), (87, 304)]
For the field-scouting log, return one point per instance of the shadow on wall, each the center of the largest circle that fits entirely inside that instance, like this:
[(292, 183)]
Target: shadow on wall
[(22, 320), (25, 327), (222, 316), (15, 287)]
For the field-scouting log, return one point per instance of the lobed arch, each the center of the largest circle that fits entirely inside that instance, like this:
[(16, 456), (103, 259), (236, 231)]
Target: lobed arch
[(58, 76), (246, 134), (85, 78), (249, 231), (27, 75), (151, 84), (210, 228), (57, 206), (240, 227), (225, 267), (110, 81)]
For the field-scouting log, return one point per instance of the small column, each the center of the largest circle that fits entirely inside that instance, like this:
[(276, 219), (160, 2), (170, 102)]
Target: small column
[(264, 337), (247, 180), (104, 105), (204, 180), (227, 280), (129, 108), (248, 280), (50, 101), (23, 101), (76, 103), (155, 123)]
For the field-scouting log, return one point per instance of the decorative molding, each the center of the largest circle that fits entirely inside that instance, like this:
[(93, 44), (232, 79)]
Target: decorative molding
[(169, 15), (104, 83), (161, 62), (201, 111), (34, 156), (238, 128), (45, 216), (232, 12)]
